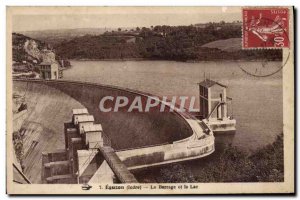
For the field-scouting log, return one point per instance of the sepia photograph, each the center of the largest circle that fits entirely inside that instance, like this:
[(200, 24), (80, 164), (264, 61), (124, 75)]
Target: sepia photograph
[(150, 100)]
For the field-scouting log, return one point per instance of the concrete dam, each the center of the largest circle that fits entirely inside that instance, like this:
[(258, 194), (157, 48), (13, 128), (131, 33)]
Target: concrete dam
[(140, 139)]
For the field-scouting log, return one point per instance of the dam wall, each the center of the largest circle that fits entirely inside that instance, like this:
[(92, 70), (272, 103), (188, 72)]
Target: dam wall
[(50, 103), (126, 129)]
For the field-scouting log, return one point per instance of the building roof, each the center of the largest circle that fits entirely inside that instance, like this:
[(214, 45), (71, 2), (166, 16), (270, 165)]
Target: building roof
[(85, 118), (80, 111), (209, 83), (92, 127)]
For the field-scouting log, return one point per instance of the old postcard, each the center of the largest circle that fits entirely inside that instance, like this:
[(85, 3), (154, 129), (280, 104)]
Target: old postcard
[(150, 100)]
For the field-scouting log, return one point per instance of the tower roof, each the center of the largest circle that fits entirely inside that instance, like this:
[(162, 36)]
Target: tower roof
[(209, 83), (80, 111)]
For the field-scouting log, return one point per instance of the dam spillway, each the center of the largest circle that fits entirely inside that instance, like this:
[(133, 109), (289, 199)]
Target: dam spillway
[(50, 104)]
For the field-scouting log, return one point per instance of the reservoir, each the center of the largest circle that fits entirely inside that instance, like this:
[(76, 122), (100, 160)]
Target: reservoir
[(257, 102)]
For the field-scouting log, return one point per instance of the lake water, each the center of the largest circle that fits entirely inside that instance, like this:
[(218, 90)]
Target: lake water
[(257, 102)]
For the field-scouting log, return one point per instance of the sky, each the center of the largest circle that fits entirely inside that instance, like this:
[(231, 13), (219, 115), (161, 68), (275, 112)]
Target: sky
[(44, 19)]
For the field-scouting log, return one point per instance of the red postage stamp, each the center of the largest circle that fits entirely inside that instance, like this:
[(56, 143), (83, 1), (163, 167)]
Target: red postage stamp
[(265, 28)]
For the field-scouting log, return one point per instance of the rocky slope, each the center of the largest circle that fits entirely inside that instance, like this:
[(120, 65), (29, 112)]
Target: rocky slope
[(29, 50)]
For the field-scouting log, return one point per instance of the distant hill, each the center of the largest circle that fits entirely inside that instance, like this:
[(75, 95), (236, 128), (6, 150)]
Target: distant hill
[(209, 41), (156, 43), (228, 45), (54, 36), (181, 43)]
